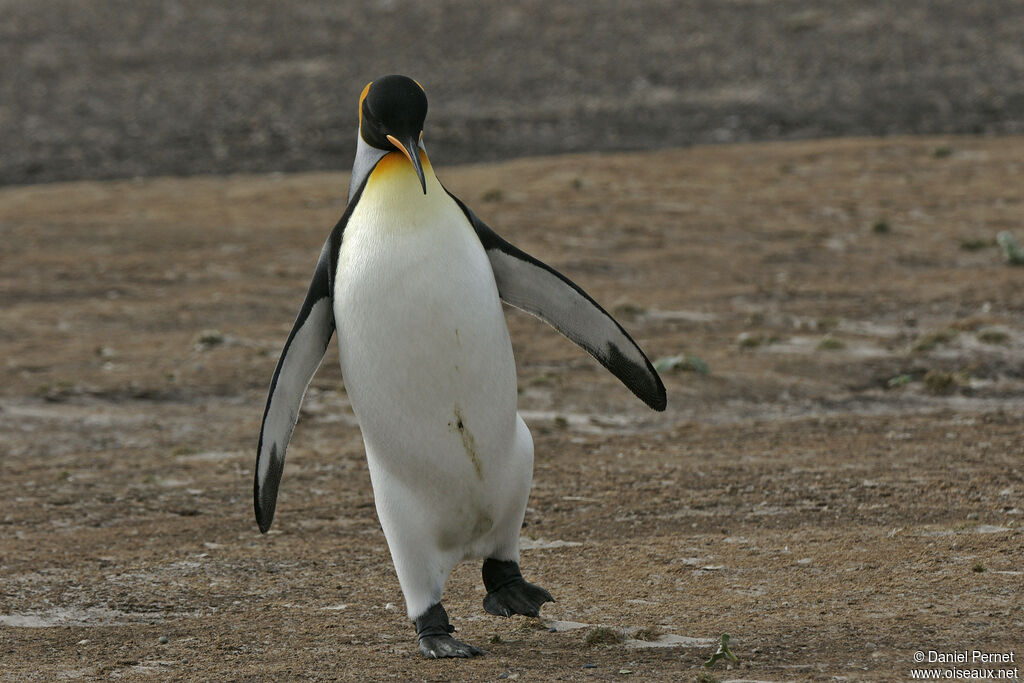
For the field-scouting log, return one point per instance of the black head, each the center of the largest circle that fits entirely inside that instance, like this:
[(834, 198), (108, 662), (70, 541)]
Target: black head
[(392, 105), (392, 110)]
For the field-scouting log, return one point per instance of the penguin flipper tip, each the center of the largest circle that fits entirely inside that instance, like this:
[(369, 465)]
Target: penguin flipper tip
[(265, 489)]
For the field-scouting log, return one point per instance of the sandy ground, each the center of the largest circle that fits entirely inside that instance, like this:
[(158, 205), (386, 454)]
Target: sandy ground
[(842, 488)]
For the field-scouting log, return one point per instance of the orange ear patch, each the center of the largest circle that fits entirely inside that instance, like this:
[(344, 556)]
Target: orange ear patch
[(361, 98)]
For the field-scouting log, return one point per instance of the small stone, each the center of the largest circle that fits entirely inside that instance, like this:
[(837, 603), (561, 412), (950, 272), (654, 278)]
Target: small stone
[(164, 640)]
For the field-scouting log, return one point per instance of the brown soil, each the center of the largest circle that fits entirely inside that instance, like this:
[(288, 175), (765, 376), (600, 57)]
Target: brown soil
[(842, 488)]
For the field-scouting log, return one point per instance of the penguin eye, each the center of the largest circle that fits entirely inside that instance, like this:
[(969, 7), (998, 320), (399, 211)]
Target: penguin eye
[(368, 114)]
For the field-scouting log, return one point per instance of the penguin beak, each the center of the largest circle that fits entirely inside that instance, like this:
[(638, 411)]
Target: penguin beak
[(411, 149)]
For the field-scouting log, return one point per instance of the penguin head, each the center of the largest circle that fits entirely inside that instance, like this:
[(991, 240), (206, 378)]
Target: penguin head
[(392, 110)]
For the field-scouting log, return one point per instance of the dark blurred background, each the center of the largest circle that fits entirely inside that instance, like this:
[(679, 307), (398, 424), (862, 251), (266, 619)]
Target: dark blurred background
[(122, 88)]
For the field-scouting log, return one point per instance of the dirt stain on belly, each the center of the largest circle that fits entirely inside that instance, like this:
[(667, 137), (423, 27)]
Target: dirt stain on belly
[(468, 442)]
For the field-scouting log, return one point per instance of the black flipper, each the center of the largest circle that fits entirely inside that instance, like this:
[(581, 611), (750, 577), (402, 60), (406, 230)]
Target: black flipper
[(539, 289), (299, 360)]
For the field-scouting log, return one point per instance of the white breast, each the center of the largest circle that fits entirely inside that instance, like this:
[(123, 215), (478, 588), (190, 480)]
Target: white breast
[(425, 351)]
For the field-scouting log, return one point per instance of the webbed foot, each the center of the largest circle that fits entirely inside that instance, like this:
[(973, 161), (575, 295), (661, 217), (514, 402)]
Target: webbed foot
[(437, 647), (433, 632), (508, 592)]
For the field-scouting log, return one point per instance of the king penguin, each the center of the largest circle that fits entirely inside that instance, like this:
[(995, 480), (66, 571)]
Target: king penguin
[(412, 281)]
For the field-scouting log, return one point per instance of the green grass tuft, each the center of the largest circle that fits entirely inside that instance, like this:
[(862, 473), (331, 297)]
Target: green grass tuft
[(827, 323), (531, 624), (976, 243), (928, 342), (1012, 252), (208, 339), (649, 634), (747, 340), (941, 382), (830, 343), (993, 337), (899, 381), (602, 635)]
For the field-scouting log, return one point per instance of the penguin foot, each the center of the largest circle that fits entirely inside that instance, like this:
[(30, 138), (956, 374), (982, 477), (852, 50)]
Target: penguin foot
[(508, 592), (437, 647), (433, 632)]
